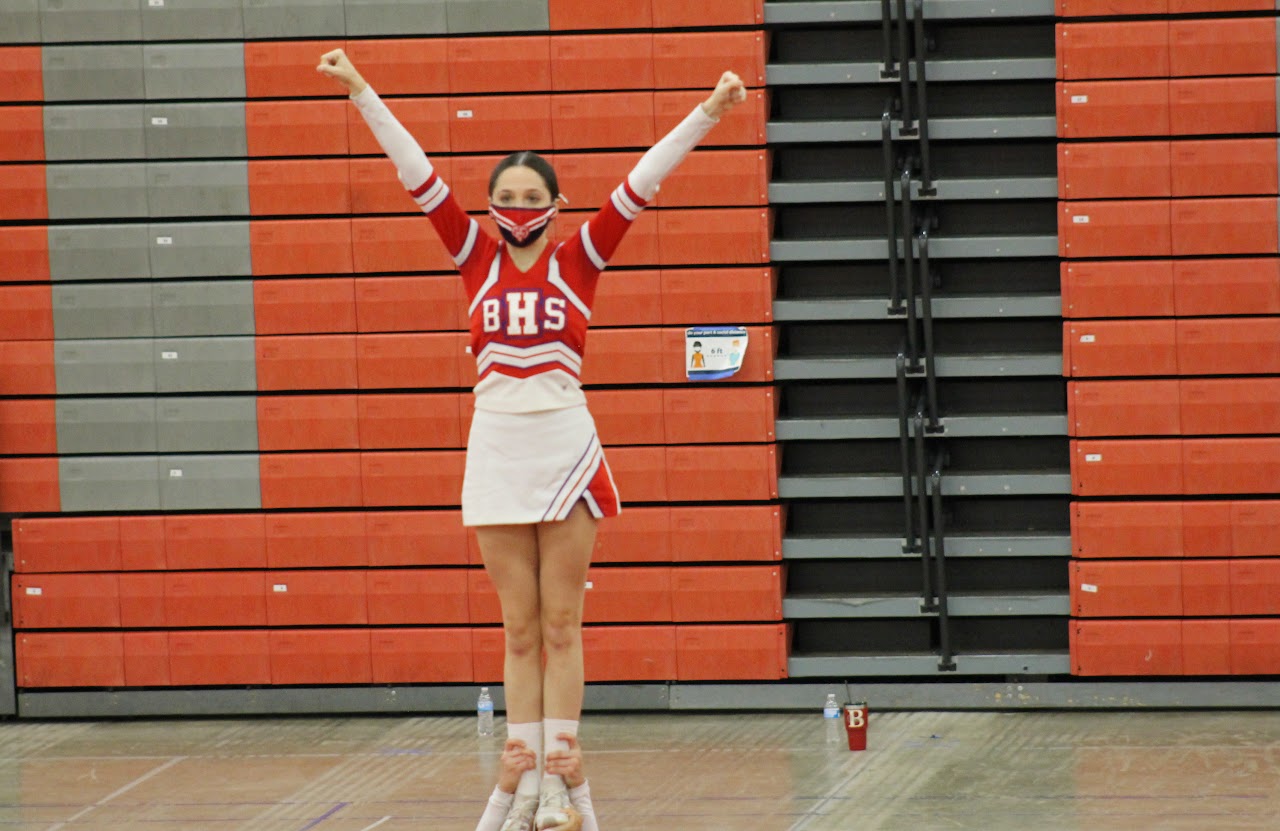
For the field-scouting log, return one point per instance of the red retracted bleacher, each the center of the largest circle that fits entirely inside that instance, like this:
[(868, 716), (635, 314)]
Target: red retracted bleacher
[(24, 254), (294, 246), (23, 192), (1223, 167), (22, 134), (356, 569), (286, 69), (28, 427), (405, 66), (284, 187), (1171, 294), (23, 67)]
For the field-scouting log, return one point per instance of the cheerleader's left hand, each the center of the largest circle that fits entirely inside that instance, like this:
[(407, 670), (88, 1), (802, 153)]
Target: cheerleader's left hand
[(729, 93)]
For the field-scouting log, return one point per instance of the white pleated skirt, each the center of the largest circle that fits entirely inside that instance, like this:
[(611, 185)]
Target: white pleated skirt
[(534, 467)]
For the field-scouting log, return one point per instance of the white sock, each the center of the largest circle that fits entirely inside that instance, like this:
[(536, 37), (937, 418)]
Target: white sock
[(551, 730), (530, 733)]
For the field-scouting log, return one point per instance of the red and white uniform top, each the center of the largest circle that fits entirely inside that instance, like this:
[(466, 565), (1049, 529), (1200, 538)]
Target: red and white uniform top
[(529, 328)]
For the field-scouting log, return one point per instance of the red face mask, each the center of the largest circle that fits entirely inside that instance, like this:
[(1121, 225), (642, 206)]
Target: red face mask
[(521, 226)]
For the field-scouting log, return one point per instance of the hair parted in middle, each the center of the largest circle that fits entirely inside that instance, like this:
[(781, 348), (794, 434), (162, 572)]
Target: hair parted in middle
[(531, 160)]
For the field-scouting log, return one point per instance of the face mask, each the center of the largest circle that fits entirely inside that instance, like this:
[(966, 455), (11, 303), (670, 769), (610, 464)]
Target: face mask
[(521, 226)]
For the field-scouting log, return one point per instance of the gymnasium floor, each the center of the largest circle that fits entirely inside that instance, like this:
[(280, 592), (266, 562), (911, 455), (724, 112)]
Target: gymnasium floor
[(739, 772)]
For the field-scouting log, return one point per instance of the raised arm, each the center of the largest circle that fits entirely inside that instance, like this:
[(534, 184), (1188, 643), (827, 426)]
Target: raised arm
[(602, 234), (397, 142), (666, 155), (457, 231)]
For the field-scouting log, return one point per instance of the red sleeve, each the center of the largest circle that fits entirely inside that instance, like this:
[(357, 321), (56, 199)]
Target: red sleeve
[(598, 238), (460, 233)]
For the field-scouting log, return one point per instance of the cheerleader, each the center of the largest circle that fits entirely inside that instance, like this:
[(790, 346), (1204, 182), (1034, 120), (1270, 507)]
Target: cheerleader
[(536, 480)]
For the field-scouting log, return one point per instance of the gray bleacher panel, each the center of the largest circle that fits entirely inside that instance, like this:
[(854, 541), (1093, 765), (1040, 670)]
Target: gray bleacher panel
[(192, 20), (401, 18), (88, 367), (194, 70), (206, 424), (198, 188), (96, 191), (100, 21), (98, 252), (92, 73), (200, 249), (223, 364), (106, 425), (94, 131), (21, 21), (217, 307), (191, 131), (121, 310), (196, 483), (109, 484), (498, 16), (293, 18)]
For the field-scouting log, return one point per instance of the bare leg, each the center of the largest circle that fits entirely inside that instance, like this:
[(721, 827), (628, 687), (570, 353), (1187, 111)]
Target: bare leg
[(510, 555), (564, 552)]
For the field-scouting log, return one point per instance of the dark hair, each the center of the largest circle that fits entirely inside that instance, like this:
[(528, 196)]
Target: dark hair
[(531, 160)]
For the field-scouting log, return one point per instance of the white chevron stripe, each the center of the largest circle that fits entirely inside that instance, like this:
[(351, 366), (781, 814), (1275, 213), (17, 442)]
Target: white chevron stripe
[(523, 351), (523, 359), (554, 278), (491, 280), (550, 361)]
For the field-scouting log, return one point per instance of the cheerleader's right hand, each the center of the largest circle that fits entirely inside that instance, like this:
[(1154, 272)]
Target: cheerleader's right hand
[(338, 66)]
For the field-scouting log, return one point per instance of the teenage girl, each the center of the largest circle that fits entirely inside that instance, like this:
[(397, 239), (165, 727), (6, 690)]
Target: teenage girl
[(536, 480)]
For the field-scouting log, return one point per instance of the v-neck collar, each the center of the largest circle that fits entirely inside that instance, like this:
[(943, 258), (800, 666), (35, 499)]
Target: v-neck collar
[(546, 253)]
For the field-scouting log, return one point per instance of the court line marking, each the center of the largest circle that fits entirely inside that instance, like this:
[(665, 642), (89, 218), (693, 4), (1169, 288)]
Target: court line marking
[(156, 771), (375, 825), (335, 809)]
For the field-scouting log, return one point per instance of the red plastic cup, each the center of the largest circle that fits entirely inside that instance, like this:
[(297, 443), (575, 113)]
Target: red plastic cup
[(855, 725)]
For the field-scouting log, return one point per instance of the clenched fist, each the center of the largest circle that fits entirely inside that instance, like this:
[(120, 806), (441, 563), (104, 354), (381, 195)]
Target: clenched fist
[(338, 66), (729, 93)]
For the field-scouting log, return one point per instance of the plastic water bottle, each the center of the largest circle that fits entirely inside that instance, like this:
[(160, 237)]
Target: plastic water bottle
[(831, 715), (484, 713)]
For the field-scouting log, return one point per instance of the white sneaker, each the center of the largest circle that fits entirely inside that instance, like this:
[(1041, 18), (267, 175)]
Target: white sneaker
[(553, 804), (520, 817)]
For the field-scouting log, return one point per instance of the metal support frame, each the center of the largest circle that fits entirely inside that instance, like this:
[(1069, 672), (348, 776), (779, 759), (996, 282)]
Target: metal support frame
[(908, 270), (918, 408), (912, 543), (928, 592), (891, 234), (888, 66), (926, 316), (904, 71), (8, 670), (946, 659), (926, 170)]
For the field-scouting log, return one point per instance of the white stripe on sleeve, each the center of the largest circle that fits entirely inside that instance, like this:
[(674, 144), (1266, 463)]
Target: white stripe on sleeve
[(590, 248)]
